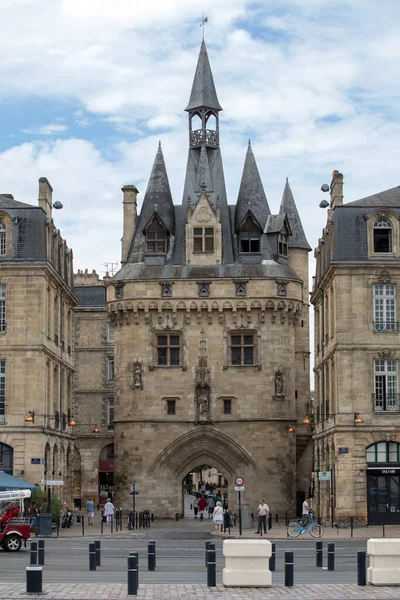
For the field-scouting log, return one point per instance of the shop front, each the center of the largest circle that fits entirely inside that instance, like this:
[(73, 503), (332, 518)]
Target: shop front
[(383, 483), (106, 474)]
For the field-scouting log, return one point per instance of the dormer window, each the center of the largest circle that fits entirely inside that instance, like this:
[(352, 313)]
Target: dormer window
[(249, 237), (203, 239), (283, 244), (3, 239), (382, 235), (156, 237)]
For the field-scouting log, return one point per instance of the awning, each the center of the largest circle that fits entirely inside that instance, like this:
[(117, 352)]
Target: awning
[(8, 482)]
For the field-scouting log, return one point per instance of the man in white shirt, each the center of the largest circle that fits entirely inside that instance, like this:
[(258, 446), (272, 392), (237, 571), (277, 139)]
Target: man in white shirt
[(305, 512), (263, 511)]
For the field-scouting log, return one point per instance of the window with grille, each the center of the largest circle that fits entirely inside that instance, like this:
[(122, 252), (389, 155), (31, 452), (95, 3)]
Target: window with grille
[(242, 349), (386, 396), (110, 413), (382, 235), (249, 237), (3, 239), (2, 307), (110, 369), (282, 244), (203, 239), (385, 307), (168, 347), (156, 237), (2, 390)]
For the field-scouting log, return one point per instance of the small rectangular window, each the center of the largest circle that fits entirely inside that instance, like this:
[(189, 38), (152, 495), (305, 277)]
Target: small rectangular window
[(227, 407), (203, 239), (242, 349), (110, 333), (110, 413), (3, 239), (2, 390), (171, 407), (168, 350), (110, 369), (2, 307)]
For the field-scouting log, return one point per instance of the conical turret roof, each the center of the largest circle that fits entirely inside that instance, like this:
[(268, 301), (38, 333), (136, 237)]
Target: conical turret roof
[(204, 174), (251, 193), (203, 89), (288, 207)]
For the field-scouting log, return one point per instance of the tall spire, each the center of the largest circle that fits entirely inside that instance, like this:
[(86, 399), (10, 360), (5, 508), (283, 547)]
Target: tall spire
[(288, 207), (204, 173), (203, 93), (251, 193)]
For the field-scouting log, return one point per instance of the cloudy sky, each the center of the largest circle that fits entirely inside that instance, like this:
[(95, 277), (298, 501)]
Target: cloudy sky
[(88, 87)]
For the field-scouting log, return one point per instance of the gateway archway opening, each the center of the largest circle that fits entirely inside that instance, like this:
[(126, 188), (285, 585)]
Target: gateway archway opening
[(204, 481)]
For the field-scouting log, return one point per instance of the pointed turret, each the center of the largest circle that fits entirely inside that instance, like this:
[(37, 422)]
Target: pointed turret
[(251, 196), (288, 207), (203, 93)]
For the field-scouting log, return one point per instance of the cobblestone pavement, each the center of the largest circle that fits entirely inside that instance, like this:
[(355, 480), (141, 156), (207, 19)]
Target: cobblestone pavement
[(75, 591)]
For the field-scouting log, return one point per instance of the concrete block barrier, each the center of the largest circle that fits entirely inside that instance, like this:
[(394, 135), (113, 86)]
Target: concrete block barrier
[(384, 566), (247, 563)]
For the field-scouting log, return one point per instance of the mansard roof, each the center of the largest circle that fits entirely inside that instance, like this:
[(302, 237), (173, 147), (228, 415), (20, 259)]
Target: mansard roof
[(203, 93), (251, 194), (288, 207), (389, 198)]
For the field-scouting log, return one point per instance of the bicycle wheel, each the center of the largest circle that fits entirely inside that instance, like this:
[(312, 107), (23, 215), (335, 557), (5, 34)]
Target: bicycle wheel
[(294, 530), (316, 531)]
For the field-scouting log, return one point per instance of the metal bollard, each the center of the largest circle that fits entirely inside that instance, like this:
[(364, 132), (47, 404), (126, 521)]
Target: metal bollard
[(97, 546), (151, 556), (286, 519), (331, 556), (383, 530), (272, 559), (152, 517), (112, 524), (361, 567), (34, 553), (351, 525), (41, 552), (176, 517), (83, 524), (58, 525), (140, 520), (207, 546), (101, 524), (137, 518), (34, 579), (276, 518), (318, 554), (211, 568), (92, 556), (133, 572), (120, 519), (137, 562), (289, 568), (269, 521)]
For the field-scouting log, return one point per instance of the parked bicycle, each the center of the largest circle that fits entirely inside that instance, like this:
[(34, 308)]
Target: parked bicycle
[(297, 528)]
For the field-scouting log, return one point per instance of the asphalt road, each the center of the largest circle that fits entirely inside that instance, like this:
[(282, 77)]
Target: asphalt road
[(180, 559)]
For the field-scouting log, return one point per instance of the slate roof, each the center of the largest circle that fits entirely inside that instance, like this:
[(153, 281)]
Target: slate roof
[(7, 201), (288, 206), (29, 230), (274, 224), (91, 296), (251, 194), (203, 92), (389, 198)]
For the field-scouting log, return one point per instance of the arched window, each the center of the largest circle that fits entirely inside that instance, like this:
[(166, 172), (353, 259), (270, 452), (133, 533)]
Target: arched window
[(382, 235), (282, 244), (249, 236), (3, 239), (156, 237), (383, 452)]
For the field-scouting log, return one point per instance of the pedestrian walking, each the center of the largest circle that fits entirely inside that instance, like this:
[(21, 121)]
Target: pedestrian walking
[(108, 511), (90, 511), (202, 507), (263, 511), (306, 507), (210, 506), (218, 517), (195, 507)]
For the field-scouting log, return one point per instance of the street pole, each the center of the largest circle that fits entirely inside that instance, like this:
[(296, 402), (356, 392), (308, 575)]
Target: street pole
[(240, 514), (48, 499)]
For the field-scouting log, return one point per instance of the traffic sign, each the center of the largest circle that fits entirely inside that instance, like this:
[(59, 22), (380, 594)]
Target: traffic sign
[(239, 488), (52, 482), (324, 475), (239, 481)]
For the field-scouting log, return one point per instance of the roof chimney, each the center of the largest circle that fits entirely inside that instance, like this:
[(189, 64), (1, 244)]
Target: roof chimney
[(130, 213), (336, 192), (45, 196)]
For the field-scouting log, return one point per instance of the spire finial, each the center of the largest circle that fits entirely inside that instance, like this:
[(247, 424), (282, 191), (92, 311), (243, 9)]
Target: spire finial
[(204, 20), (159, 144), (249, 142), (287, 179)]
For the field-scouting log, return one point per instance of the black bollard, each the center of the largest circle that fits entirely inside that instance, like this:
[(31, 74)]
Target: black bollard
[(272, 559), (331, 556), (83, 524), (41, 552), (151, 555), (58, 525), (92, 556), (112, 524), (155, 555), (318, 554), (133, 571), (176, 517), (137, 518), (361, 568), (211, 568), (97, 546), (152, 517), (207, 546), (269, 521), (351, 525), (276, 518), (101, 524), (137, 562), (289, 568), (140, 520), (286, 519), (120, 519), (34, 579), (34, 553)]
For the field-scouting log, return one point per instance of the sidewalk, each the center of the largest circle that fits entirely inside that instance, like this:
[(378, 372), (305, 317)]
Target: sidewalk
[(201, 592)]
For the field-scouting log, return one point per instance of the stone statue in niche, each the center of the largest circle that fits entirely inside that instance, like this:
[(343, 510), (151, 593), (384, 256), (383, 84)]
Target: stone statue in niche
[(202, 383), (279, 384), (137, 369)]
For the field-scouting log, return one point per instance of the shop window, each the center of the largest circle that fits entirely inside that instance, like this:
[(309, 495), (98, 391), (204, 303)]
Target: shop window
[(383, 452)]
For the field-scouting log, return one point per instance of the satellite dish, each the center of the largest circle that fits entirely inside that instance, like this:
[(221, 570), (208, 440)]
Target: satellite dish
[(324, 204), (57, 205), (325, 187)]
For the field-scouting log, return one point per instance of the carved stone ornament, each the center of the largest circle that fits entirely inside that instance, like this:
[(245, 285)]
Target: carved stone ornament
[(279, 384), (282, 288), (386, 354), (203, 289), (390, 435), (240, 289), (137, 372), (202, 384), (119, 290), (166, 290), (383, 276)]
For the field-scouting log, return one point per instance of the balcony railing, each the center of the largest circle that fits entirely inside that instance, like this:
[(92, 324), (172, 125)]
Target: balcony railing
[(388, 403), (209, 137), (382, 326)]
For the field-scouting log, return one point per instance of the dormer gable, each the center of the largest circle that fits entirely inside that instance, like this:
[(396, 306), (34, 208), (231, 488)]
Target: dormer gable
[(203, 232), (156, 236), (278, 231)]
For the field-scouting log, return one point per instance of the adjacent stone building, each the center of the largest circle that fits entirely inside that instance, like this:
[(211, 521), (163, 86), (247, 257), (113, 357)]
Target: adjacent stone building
[(210, 311), (356, 420)]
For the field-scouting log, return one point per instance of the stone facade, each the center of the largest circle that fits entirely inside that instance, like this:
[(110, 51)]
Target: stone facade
[(356, 358)]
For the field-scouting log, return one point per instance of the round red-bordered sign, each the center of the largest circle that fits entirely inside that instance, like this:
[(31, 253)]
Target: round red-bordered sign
[(239, 481)]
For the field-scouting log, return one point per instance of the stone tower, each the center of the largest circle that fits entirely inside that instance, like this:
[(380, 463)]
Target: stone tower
[(210, 310)]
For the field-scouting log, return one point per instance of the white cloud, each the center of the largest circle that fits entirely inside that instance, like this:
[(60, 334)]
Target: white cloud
[(50, 129)]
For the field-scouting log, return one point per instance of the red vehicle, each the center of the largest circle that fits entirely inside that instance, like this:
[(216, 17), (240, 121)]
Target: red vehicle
[(16, 530)]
